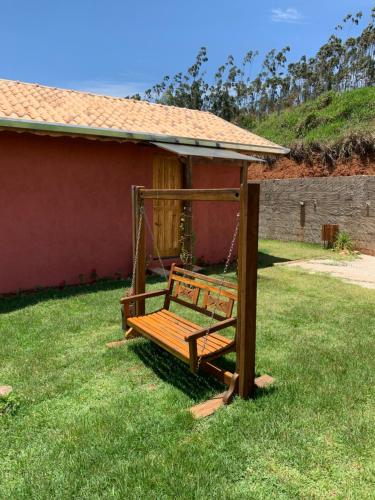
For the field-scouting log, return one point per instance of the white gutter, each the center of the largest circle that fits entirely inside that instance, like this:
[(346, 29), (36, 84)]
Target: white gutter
[(80, 130)]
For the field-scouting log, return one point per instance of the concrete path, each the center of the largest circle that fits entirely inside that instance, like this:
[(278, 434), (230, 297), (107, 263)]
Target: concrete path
[(360, 271)]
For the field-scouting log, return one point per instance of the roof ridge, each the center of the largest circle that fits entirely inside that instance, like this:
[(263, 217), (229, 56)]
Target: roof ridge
[(110, 97), (35, 102)]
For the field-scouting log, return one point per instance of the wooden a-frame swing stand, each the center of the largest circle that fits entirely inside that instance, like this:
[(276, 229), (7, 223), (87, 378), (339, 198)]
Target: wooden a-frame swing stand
[(195, 345)]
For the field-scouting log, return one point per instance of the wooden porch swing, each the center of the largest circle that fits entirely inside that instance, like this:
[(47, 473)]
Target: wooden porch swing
[(209, 296)]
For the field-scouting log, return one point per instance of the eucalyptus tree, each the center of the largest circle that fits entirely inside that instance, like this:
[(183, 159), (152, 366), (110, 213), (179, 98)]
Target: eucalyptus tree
[(235, 94)]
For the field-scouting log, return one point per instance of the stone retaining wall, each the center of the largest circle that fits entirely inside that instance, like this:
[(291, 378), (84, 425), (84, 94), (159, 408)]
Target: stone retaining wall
[(295, 209)]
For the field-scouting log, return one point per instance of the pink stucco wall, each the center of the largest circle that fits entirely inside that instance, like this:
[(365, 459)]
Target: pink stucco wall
[(65, 208), (214, 222)]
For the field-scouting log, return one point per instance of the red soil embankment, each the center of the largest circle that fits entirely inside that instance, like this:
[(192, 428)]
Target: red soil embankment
[(285, 168)]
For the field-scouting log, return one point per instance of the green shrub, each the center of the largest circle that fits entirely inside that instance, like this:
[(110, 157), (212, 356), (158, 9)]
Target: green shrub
[(343, 242), (9, 404)]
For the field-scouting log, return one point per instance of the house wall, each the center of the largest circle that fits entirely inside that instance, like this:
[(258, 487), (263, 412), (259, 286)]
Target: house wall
[(347, 201), (65, 208), (214, 222)]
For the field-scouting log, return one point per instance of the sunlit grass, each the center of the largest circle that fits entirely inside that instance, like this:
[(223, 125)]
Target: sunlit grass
[(94, 422)]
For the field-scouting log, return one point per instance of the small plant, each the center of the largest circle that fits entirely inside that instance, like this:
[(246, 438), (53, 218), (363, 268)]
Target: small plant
[(9, 404), (93, 276), (343, 242), (62, 285)]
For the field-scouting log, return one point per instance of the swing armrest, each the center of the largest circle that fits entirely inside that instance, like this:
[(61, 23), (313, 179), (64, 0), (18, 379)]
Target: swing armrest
[(214, 328), (140, 296)]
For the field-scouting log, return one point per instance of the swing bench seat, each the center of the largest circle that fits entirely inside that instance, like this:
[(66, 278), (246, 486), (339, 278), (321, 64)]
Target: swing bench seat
[(177, 335)]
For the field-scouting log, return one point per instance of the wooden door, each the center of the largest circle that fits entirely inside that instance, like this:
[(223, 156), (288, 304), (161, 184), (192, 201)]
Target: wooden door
[(167, 174)]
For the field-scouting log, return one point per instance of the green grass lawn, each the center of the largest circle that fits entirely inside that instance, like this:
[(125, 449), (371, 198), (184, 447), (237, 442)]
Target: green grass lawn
[(98, 423)]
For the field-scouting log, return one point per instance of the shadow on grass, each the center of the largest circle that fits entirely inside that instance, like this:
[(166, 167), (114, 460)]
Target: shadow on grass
[(264, 260), (174, 372), (268, 260), (24, 299)]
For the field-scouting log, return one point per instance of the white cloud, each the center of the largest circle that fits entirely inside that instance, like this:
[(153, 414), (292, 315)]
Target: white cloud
[(289, 15), (113, 89)]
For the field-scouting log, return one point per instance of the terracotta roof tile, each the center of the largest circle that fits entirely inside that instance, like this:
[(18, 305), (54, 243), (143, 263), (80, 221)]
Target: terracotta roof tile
[(51, 105)]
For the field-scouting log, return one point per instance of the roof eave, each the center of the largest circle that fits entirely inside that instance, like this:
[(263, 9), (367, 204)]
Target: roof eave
[(79, 130)]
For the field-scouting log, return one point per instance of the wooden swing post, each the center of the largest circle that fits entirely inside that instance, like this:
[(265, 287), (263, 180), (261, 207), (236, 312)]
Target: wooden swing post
[(247, 284), (139, 232)]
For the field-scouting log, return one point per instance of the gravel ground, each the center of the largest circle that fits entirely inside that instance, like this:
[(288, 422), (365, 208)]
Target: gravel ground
[(360, 271)]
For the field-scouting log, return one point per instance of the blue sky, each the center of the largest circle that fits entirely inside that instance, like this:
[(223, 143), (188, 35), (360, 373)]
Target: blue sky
[(119, 47)]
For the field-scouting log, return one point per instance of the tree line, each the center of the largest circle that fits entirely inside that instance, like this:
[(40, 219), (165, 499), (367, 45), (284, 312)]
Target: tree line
[(340, 64)]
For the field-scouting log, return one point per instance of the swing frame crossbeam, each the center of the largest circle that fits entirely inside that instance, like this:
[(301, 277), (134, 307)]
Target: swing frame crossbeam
[(190, 194), (242, 381)]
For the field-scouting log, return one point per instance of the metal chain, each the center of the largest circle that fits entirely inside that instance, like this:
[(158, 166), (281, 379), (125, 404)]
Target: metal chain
[(188, 256), (231, 248), (135, 255), (155, 245)]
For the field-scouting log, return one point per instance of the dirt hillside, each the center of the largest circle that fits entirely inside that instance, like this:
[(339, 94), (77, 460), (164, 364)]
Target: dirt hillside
[(285, 168)]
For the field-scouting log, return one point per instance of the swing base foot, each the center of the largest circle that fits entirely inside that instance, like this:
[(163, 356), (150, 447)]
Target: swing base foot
[(264, 381), (209, 407), (116, 343), (129, 335)]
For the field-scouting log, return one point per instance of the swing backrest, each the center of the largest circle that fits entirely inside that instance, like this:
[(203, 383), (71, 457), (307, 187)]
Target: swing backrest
[(207, 295)]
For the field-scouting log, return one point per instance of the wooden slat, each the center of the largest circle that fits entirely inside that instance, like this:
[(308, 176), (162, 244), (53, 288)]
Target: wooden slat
[(230, 347), (154, 323), (203, 277), (215, 339), (145, 295), (192, 326), (177, 333), (183, 320), (184, 291), (199, 309), (175, 350), (180, 329), (203, 286), (191, 194), (168, 337), (225, 306), (169, 331), (213, 328), (213, 344), (186, 328)]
